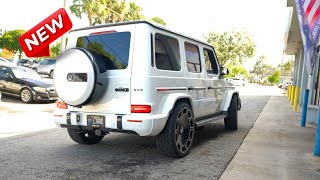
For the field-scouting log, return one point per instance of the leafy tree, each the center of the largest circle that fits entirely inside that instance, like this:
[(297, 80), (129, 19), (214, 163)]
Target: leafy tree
[(232, 47), (288, 66), (237, 71), (158, 20), (9, 41), (134, 12), (6, 54), (260, 68), (92, 8), (275, 77), (106, 11), (55, 50)]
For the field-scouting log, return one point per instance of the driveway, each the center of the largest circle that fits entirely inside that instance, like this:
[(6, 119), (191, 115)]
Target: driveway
[(51, 154)]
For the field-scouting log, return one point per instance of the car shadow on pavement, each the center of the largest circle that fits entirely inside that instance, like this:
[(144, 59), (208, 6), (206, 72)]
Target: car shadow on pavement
[(118, 143), (16, 100), (122, 155)]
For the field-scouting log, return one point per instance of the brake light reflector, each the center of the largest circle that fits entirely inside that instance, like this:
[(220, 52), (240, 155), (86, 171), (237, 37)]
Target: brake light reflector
[(103, 32), (140, 108), (62, 105), (130, 120)]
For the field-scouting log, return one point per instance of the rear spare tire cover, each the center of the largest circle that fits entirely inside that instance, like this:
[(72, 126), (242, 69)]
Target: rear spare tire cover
[(75, 76)]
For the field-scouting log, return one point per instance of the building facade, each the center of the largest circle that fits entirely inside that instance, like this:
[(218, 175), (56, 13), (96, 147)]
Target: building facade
[(301, 80)]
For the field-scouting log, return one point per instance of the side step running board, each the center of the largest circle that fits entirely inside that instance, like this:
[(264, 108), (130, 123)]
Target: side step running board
[(213, 118)]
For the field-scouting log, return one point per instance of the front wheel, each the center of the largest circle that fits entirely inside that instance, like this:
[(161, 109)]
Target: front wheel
[(84, 137), (231, 122), (26, 95), (177, 136)]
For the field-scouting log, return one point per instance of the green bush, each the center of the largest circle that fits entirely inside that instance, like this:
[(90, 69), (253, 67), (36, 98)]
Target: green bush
[(274, 78)]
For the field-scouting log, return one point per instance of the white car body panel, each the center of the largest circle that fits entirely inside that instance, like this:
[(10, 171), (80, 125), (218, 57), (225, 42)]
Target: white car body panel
[(146, 84)]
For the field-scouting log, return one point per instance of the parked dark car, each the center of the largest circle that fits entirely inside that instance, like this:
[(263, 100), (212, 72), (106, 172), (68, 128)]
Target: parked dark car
[(26, 84), (25, 63)]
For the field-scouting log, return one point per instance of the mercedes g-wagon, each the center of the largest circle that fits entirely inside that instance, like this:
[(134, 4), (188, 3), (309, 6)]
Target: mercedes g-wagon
[(139, 77)]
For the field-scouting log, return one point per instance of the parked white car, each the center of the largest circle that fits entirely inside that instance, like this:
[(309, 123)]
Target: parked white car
[(237, 81), (45, 67), (138, 77)]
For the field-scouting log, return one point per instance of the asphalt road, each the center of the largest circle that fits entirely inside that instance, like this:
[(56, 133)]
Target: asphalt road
[(51, 154)]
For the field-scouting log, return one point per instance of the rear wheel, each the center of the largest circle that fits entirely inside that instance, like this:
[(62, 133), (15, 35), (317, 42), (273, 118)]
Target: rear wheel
[(84, 137), (26, 95), (51, 74), (177, 136), (231, 122)]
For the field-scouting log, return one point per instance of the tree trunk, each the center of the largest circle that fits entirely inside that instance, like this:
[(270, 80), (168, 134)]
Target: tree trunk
[(20, 53), (90, 20)]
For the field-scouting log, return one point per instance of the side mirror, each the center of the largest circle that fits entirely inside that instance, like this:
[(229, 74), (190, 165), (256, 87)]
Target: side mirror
[(224, 71)]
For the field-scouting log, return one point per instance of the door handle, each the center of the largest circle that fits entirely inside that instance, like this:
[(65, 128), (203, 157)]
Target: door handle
[(122, 89)]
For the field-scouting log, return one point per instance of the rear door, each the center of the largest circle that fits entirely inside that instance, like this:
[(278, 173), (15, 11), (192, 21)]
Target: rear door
[(114, 45), (196, 78)]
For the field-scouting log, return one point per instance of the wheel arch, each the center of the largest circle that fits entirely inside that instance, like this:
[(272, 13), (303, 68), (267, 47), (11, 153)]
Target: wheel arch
[(25, 87), (173, 99), (227, 99)]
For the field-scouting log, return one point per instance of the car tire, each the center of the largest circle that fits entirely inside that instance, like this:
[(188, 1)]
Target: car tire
[(26, 95), (82, 137), (231, 122), (177, 137), (51, 74), (35, 69)]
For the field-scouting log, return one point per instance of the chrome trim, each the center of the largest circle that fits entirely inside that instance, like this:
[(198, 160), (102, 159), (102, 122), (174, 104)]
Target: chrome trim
[(160, 89)]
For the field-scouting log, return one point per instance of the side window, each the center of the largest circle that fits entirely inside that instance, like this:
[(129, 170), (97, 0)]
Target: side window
[(2, 71), (5, 72), (193, 57), (44, 62), (167, 53), (211, 63), (51, 62)]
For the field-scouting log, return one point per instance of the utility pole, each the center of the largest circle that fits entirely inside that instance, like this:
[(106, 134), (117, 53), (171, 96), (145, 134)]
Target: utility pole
[(62, 37)]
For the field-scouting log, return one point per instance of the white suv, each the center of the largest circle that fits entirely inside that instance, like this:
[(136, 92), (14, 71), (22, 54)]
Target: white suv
[(138, 77)]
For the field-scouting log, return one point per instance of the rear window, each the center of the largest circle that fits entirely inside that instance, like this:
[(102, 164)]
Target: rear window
[(48, 62), (22, 61), (113, 48)]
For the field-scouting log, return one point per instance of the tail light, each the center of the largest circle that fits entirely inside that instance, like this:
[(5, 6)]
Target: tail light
[(140, 108), (62, 105)]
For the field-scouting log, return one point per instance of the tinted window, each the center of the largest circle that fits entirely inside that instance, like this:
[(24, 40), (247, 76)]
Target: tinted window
[(48, 62), (167, 53), (51, 62), (22, 61), (44, 62), (112, 48), (211, 63), (193, 58), (4, 72)]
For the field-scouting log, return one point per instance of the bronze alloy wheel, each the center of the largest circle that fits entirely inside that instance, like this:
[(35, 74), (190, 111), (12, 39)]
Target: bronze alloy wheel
[(26, 95), (184, 130)]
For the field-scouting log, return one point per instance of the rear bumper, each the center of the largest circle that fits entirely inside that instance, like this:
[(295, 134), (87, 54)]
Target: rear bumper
[(143, 125)]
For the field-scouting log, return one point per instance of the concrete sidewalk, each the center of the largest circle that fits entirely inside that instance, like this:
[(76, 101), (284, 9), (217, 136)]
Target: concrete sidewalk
[(276, 147)]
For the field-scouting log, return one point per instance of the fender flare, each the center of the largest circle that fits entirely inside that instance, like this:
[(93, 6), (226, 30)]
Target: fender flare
[(227, 100), (169, 102)]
